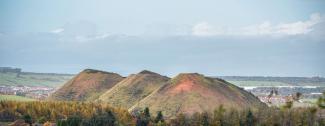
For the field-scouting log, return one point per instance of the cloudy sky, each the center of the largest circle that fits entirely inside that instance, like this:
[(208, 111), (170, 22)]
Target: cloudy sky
[(213, 37)]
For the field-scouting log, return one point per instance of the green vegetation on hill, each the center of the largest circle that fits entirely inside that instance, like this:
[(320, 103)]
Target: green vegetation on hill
[(14, 98), (33, 79), (133, 89)]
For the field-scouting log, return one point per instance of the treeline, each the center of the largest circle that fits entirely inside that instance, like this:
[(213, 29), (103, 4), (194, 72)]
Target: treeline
[(63, 113), (263, 117), (99, 114)]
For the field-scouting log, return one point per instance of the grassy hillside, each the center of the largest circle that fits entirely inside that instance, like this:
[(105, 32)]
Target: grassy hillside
[(190, 93), (14, 98), (34, 79), (134, 88)]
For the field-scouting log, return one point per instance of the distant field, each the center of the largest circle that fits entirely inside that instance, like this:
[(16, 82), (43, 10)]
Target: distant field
[(258, 83), (14, 98), (56, 80), (249, 83), (34, 79)]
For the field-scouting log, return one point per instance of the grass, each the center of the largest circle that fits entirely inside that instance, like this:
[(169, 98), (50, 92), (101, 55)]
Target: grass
[(11, 79), (14, 98)]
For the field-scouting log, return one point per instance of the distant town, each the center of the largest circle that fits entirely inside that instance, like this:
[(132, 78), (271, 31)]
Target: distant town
[(13, 81), (37, 92)]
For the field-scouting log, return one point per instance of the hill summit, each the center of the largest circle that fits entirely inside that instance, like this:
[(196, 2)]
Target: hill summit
[(133, 89), (88, 85), (192, 92)]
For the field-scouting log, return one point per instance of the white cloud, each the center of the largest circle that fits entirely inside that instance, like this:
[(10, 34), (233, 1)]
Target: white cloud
[(203, 29), (57, 31), (81, 38), (265, 28), (299, 27), (81, 31)]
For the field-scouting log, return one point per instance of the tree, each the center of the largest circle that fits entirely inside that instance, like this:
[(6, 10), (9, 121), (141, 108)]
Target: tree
[(104, 119), (61, 123), (28, 119), (159, 117), (41, 120), (321, 104), (146, 112), (218, 117), (74, 120), (250, 118), (321, 101), (161, 123), (110, 118), (180, 120), (312, 111), (205, 119), (144, 118)]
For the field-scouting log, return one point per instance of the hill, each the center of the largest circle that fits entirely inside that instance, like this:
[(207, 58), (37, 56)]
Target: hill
[(133, 88), (191, 92), (86, 86)]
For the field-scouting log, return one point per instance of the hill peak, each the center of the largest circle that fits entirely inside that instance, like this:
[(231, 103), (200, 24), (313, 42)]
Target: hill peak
[(188, 77), (189, 74), (146, 72), (133, 89), (96, 71), (86, 86)]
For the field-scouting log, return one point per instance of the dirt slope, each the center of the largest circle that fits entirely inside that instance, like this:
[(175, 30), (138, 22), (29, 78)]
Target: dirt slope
[(191, 92), (88, 85), (133, 89)]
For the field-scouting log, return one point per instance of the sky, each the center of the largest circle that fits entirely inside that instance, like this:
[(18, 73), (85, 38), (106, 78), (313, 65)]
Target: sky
[(212, 37)]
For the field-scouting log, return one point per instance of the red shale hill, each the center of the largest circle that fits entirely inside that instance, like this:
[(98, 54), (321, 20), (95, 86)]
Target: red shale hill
[(88, 85), (191, 92), (133, 89)]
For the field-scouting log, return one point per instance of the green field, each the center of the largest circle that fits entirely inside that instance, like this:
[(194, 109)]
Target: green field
[(30, 79), (14, 98)]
